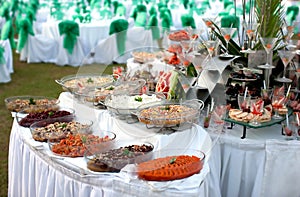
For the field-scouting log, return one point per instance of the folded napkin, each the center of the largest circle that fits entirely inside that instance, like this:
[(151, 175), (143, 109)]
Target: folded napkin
[(71, 30), (119, 27), (25, 28)]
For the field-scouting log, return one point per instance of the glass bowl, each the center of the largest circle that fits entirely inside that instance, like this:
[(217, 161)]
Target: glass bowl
[(75, 83), (117, 156), (170, 113), (171, 164), (126, 104), (30, 103), (93, 96), (78, 144), (26, 119), (55, 129)]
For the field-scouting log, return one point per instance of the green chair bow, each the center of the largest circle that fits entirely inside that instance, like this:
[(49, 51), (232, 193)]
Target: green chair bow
[(137, 9), (291, 13), (105, 13), (166, 20), (187, 20), (230, 21), (4, 11), (70, 30), (79, 17), (119, 27), (141, 19), (30, 14), (25, 28), (7, 32), (121, 10), (153, 25), (2, 59)]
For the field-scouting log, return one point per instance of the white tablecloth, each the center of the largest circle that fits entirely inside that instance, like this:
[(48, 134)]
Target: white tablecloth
[(90, 33), (33, 173), (263, 164)]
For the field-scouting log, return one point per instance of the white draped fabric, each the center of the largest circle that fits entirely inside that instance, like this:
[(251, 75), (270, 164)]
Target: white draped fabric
[(263, 164), (7, 68), (33, 172)]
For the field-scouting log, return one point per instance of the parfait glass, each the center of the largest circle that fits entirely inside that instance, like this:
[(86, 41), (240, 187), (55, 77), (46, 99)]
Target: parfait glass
[(227, 34), (278, 101), (251, 30), (217, 117), (289, 129), (256, 108), (209, 22), (211, 46), (286, 56), (268, 44)]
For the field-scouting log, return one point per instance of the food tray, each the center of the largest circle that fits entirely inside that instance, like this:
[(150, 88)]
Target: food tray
[(121, 153), (262, 124), (75, 83), (170, 113), (143, 57), (55, 129), (30, 103), (126, 104), (171, 164)]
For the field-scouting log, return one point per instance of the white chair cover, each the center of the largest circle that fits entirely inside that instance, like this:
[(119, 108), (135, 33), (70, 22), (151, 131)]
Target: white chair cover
[(106, 51), (65, 58), (7, 68), (39, 49)]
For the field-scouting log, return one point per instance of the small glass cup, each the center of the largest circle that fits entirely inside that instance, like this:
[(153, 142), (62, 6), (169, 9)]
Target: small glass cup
[(244, 102), (289, 130)]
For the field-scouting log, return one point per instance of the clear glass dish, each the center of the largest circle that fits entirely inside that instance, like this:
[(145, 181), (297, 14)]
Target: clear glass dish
[(30, 103)]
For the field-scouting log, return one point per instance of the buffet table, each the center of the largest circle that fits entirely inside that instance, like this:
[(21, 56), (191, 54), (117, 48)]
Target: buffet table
[(35, 171), (263, 164)]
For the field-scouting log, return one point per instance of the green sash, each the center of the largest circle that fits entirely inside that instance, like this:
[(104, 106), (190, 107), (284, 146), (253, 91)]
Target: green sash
[(187, 20), (4, 11), (230, 21), (141, 19), (25, 28), (119, 27), (291, 13), (7, 32), (153, 25), (2, 59), (70, 30)]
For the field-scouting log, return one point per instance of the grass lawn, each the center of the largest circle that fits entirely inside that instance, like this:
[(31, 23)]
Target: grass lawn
[(29, 79)]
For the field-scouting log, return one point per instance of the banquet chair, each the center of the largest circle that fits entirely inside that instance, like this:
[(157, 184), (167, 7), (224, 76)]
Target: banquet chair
[(39, 49), (70, 49), (5, 61)]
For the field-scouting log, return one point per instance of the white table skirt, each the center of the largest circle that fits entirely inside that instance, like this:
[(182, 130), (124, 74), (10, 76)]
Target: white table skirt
[(263, 164), (33, 173)]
